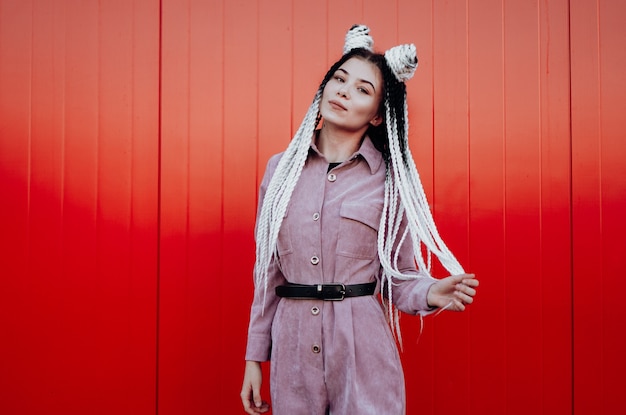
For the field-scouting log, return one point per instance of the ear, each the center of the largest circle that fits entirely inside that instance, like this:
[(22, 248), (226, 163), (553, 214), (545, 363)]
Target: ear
[(377, 120)]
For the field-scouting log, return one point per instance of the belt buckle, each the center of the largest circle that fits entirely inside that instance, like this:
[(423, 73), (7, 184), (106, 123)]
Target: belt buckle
[(328, 294)]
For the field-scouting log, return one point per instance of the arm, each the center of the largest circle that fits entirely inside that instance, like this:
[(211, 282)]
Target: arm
[(261, 317), (265, 300), (259, 343)]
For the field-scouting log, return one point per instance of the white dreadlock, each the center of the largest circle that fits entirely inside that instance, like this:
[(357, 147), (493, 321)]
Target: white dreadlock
[(279, 192), (402, 184), (288, 171), (404, 195)]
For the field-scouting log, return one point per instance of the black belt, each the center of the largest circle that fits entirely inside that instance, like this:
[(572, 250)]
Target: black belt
[(330, 292)]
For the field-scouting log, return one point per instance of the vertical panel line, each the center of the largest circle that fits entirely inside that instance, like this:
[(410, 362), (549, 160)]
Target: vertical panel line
[(258, 99), (133, 151), (539, 149), (158, 222), (432, 172), (327, 34), (504, 190), (189, 120), (600, 204), (293, 65), (469, 189), (571, 213), (29, 168), (468, 127), (98, 130), (223, 166), (432, 100), (64, 122)]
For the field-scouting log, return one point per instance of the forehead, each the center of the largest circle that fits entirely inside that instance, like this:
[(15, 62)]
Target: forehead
[(362, 69)]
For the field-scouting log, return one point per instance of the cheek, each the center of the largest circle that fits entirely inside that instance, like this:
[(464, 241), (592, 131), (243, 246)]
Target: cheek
[(329, 89), (368, 108)]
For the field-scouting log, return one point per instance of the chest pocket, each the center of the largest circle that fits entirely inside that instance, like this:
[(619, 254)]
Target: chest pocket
[(358, 230)]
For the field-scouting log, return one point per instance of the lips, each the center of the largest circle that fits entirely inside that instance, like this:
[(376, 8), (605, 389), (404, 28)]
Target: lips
[(337, 105)]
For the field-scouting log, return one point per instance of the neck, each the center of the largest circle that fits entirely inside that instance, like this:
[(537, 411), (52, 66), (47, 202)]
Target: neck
[(338, 145)]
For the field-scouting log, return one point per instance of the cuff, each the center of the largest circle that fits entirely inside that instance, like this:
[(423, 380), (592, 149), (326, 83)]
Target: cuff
[(258, 348)]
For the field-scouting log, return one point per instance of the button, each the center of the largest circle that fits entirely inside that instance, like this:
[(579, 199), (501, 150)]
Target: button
[(316, 348), (332, 177), (315, 310), (316, 216), (315, 260)]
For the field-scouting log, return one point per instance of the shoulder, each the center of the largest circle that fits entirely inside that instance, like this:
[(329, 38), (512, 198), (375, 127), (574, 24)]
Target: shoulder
[(272, 163), (270, 167)]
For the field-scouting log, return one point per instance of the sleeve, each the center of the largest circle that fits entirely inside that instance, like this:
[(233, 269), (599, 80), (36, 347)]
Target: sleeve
[(264, 302), (410, 296)]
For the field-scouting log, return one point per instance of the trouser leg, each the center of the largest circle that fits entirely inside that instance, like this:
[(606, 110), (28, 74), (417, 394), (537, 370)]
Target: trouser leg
[(298, 390)]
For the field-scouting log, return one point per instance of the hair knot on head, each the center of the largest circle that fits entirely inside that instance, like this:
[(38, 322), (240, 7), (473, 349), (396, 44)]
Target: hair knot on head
[(358, 37), (402, 60)]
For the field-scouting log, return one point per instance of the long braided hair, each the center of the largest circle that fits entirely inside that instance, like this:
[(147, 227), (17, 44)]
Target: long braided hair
[(404, 201)]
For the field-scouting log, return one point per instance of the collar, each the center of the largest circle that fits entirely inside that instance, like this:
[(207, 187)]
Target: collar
[(370, 154)]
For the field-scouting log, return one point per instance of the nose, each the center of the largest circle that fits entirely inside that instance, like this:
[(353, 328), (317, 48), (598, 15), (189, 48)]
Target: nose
[(342, 92)]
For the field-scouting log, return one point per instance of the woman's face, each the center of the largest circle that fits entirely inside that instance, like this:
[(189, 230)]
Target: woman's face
[(352, 96)]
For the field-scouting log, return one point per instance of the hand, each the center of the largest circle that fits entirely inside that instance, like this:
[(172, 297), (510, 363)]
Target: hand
[(453, 293), (251, 390)]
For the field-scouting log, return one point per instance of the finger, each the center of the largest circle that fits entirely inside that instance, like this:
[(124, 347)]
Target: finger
[(250, 408), (245, 400), (247, 408), (458, 279), (466, 290), (248, 404), (470, 282), (465, 276), (256, 397), (464, 298)]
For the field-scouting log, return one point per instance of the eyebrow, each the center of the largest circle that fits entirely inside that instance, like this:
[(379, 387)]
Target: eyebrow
[(360, 80)]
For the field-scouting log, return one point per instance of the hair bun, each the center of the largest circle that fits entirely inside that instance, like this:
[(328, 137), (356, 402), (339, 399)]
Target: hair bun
[(402, 61), (358, 37)]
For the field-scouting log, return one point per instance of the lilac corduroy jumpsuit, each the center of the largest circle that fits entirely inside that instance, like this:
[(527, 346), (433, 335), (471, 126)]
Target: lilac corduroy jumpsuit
[(336, 356)]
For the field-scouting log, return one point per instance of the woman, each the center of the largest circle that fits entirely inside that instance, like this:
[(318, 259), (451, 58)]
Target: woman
[(342, 218)]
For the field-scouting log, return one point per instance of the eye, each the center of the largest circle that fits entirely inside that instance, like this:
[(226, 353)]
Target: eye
[(339, 79), (364, 90)]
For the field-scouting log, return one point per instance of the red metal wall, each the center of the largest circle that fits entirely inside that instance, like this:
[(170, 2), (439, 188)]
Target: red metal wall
[(79, 157), (598, 97), (133, 135)]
